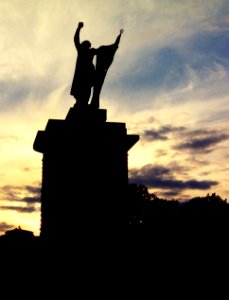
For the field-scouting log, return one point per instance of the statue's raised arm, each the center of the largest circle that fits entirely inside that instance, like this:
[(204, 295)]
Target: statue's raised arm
[(77, 35), (118, 37)]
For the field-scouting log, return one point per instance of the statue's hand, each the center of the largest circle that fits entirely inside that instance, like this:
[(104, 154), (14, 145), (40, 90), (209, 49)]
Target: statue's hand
[(121, 31), (80, 25)]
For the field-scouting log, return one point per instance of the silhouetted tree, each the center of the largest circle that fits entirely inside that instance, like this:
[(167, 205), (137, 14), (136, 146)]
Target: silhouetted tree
[(203, 213), (138, 196), (209, 211), (160, 211)]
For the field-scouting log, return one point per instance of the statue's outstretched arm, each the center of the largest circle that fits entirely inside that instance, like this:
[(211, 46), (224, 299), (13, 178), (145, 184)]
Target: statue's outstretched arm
[(118, 37), (77, 35)]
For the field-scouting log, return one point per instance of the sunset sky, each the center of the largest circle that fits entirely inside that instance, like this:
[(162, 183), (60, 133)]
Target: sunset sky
[(169, 82)]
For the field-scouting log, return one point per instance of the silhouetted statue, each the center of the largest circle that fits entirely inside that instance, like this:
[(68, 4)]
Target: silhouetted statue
[(104, 58), (86, 75), (85, 71)]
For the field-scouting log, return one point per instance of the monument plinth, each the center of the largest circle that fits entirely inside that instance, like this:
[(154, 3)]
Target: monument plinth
[(85, 172)]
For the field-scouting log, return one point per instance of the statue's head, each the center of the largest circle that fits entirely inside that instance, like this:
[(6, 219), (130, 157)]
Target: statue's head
[(86, 44)]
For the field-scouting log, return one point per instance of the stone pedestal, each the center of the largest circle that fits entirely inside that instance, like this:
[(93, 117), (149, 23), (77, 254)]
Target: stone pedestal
[(85, 172)]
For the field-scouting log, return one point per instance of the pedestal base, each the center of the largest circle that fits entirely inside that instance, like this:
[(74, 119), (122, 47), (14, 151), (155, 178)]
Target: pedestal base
[(85, 172)]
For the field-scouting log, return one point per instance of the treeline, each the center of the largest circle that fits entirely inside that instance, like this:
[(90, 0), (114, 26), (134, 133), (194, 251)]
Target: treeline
[(199, 216), (146, 208)]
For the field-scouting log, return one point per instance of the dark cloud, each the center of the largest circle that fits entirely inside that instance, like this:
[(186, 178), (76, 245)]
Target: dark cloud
[(28, 202), (150, 170), (161, 133), (33, 189), (155, 182), (5, 226), (164, 178), (20, 209), (152, 135), (13, 193), (31, 200), (205, 143), (170, 193)]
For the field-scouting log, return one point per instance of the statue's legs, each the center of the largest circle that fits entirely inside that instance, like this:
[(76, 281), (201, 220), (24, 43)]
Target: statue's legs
[(100, 76)]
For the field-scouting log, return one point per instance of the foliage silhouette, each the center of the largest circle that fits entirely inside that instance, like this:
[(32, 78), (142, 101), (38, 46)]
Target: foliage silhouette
[(199, 212)]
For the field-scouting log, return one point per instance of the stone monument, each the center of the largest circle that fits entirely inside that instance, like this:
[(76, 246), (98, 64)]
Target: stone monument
[(85, 158)]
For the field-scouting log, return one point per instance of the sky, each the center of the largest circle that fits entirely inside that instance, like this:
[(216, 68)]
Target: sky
[(168, 82)]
